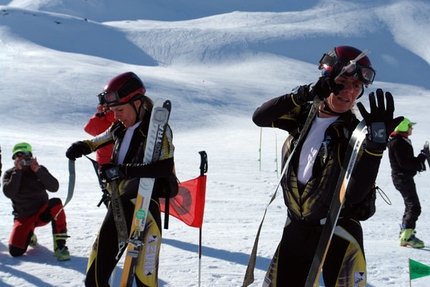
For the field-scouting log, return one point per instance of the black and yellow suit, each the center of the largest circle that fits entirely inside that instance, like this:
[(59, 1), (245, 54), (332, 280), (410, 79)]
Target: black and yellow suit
[(308, 204), (102, 259)]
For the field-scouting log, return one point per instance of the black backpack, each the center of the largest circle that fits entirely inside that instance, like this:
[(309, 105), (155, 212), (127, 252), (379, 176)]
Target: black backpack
[(367, 207), (166, 187)]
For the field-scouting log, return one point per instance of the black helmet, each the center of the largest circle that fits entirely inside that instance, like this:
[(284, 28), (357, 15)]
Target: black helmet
[(348, 61)]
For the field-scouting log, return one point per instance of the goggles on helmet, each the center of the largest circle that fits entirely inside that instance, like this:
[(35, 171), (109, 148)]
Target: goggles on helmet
[(366, 75), (112, 98), (107, 98), (349, 68), (353, 69)]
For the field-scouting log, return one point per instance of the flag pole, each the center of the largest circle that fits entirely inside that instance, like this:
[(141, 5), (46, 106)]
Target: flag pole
[(410, 279), (200, 254), (259, 150), (276, 155), (203, 170)]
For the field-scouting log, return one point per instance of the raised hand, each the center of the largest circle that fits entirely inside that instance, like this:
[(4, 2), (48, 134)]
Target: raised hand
[(380, 122)]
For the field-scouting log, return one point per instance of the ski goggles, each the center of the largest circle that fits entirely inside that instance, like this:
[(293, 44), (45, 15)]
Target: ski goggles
[(353, 69), (348, 68), (366, 75), (109, 98)]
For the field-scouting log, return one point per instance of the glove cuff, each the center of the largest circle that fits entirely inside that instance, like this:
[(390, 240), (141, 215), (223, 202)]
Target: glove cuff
[(300, 95), (375, 147), (374, 153)]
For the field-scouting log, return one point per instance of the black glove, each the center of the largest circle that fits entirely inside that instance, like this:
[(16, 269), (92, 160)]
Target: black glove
[(77, 149), (379, 121), (324, 87), (100, 115), (421, 159), (111, 172), (301, 95)]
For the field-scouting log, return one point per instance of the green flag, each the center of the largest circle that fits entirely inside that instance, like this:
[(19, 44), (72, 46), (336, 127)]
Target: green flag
[(418, 270)]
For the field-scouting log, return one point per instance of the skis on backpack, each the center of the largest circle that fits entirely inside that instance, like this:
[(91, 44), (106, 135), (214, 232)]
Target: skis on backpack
[(154, 143), (427, 152), (349, 162)]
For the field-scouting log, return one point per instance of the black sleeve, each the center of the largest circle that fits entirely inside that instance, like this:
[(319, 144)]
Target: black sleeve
[(363, 177), (47, 179), (157, 169), (11, 182), (403, 154), (280, 112)]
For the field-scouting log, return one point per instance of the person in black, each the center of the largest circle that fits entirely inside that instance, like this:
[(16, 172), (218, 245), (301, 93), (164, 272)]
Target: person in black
[(125, 97), (310, 179), (404, 166)]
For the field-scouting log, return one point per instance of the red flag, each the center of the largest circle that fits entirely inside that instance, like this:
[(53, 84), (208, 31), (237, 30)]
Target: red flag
[(189, 204)]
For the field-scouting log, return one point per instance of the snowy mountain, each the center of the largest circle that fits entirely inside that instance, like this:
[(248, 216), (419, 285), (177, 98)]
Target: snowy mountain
[(216, 62)]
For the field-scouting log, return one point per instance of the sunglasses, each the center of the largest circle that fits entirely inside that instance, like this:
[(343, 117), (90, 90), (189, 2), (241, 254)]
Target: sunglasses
[(23, 154)]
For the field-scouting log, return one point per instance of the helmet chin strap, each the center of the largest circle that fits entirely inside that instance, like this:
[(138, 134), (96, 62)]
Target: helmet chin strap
[(137, 111)]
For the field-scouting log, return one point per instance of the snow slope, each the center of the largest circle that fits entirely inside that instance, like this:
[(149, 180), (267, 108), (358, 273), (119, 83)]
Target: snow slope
[(216, 61)]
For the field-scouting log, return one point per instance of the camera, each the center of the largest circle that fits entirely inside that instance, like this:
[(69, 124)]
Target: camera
[(26, 162)]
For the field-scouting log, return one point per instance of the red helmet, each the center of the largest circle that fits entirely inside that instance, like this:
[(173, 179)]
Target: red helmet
[(348, 61), (122, 89)]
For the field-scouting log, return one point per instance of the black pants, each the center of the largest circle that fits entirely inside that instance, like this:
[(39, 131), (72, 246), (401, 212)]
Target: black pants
[(293, 258), (102, 258), (406, 185)]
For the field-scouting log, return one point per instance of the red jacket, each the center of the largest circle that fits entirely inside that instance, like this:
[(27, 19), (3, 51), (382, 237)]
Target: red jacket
[(97, 124)]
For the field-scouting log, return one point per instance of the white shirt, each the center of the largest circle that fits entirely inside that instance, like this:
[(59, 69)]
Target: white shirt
[(125, 144), (311, 146)]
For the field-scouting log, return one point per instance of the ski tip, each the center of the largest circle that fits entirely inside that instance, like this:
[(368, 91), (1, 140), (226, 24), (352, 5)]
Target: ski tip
[(167, 103)]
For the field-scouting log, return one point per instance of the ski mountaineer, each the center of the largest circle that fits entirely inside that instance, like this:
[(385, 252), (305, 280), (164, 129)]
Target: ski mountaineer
[(404, 166), (125, 96), (26, 184), (310, 180), (97, 124)]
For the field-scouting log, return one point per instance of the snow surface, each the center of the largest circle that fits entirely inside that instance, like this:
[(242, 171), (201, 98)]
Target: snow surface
[(217, 61)]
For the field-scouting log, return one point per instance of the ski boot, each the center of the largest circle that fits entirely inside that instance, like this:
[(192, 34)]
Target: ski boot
[(33, 241), (408, 238), (60, 248)]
